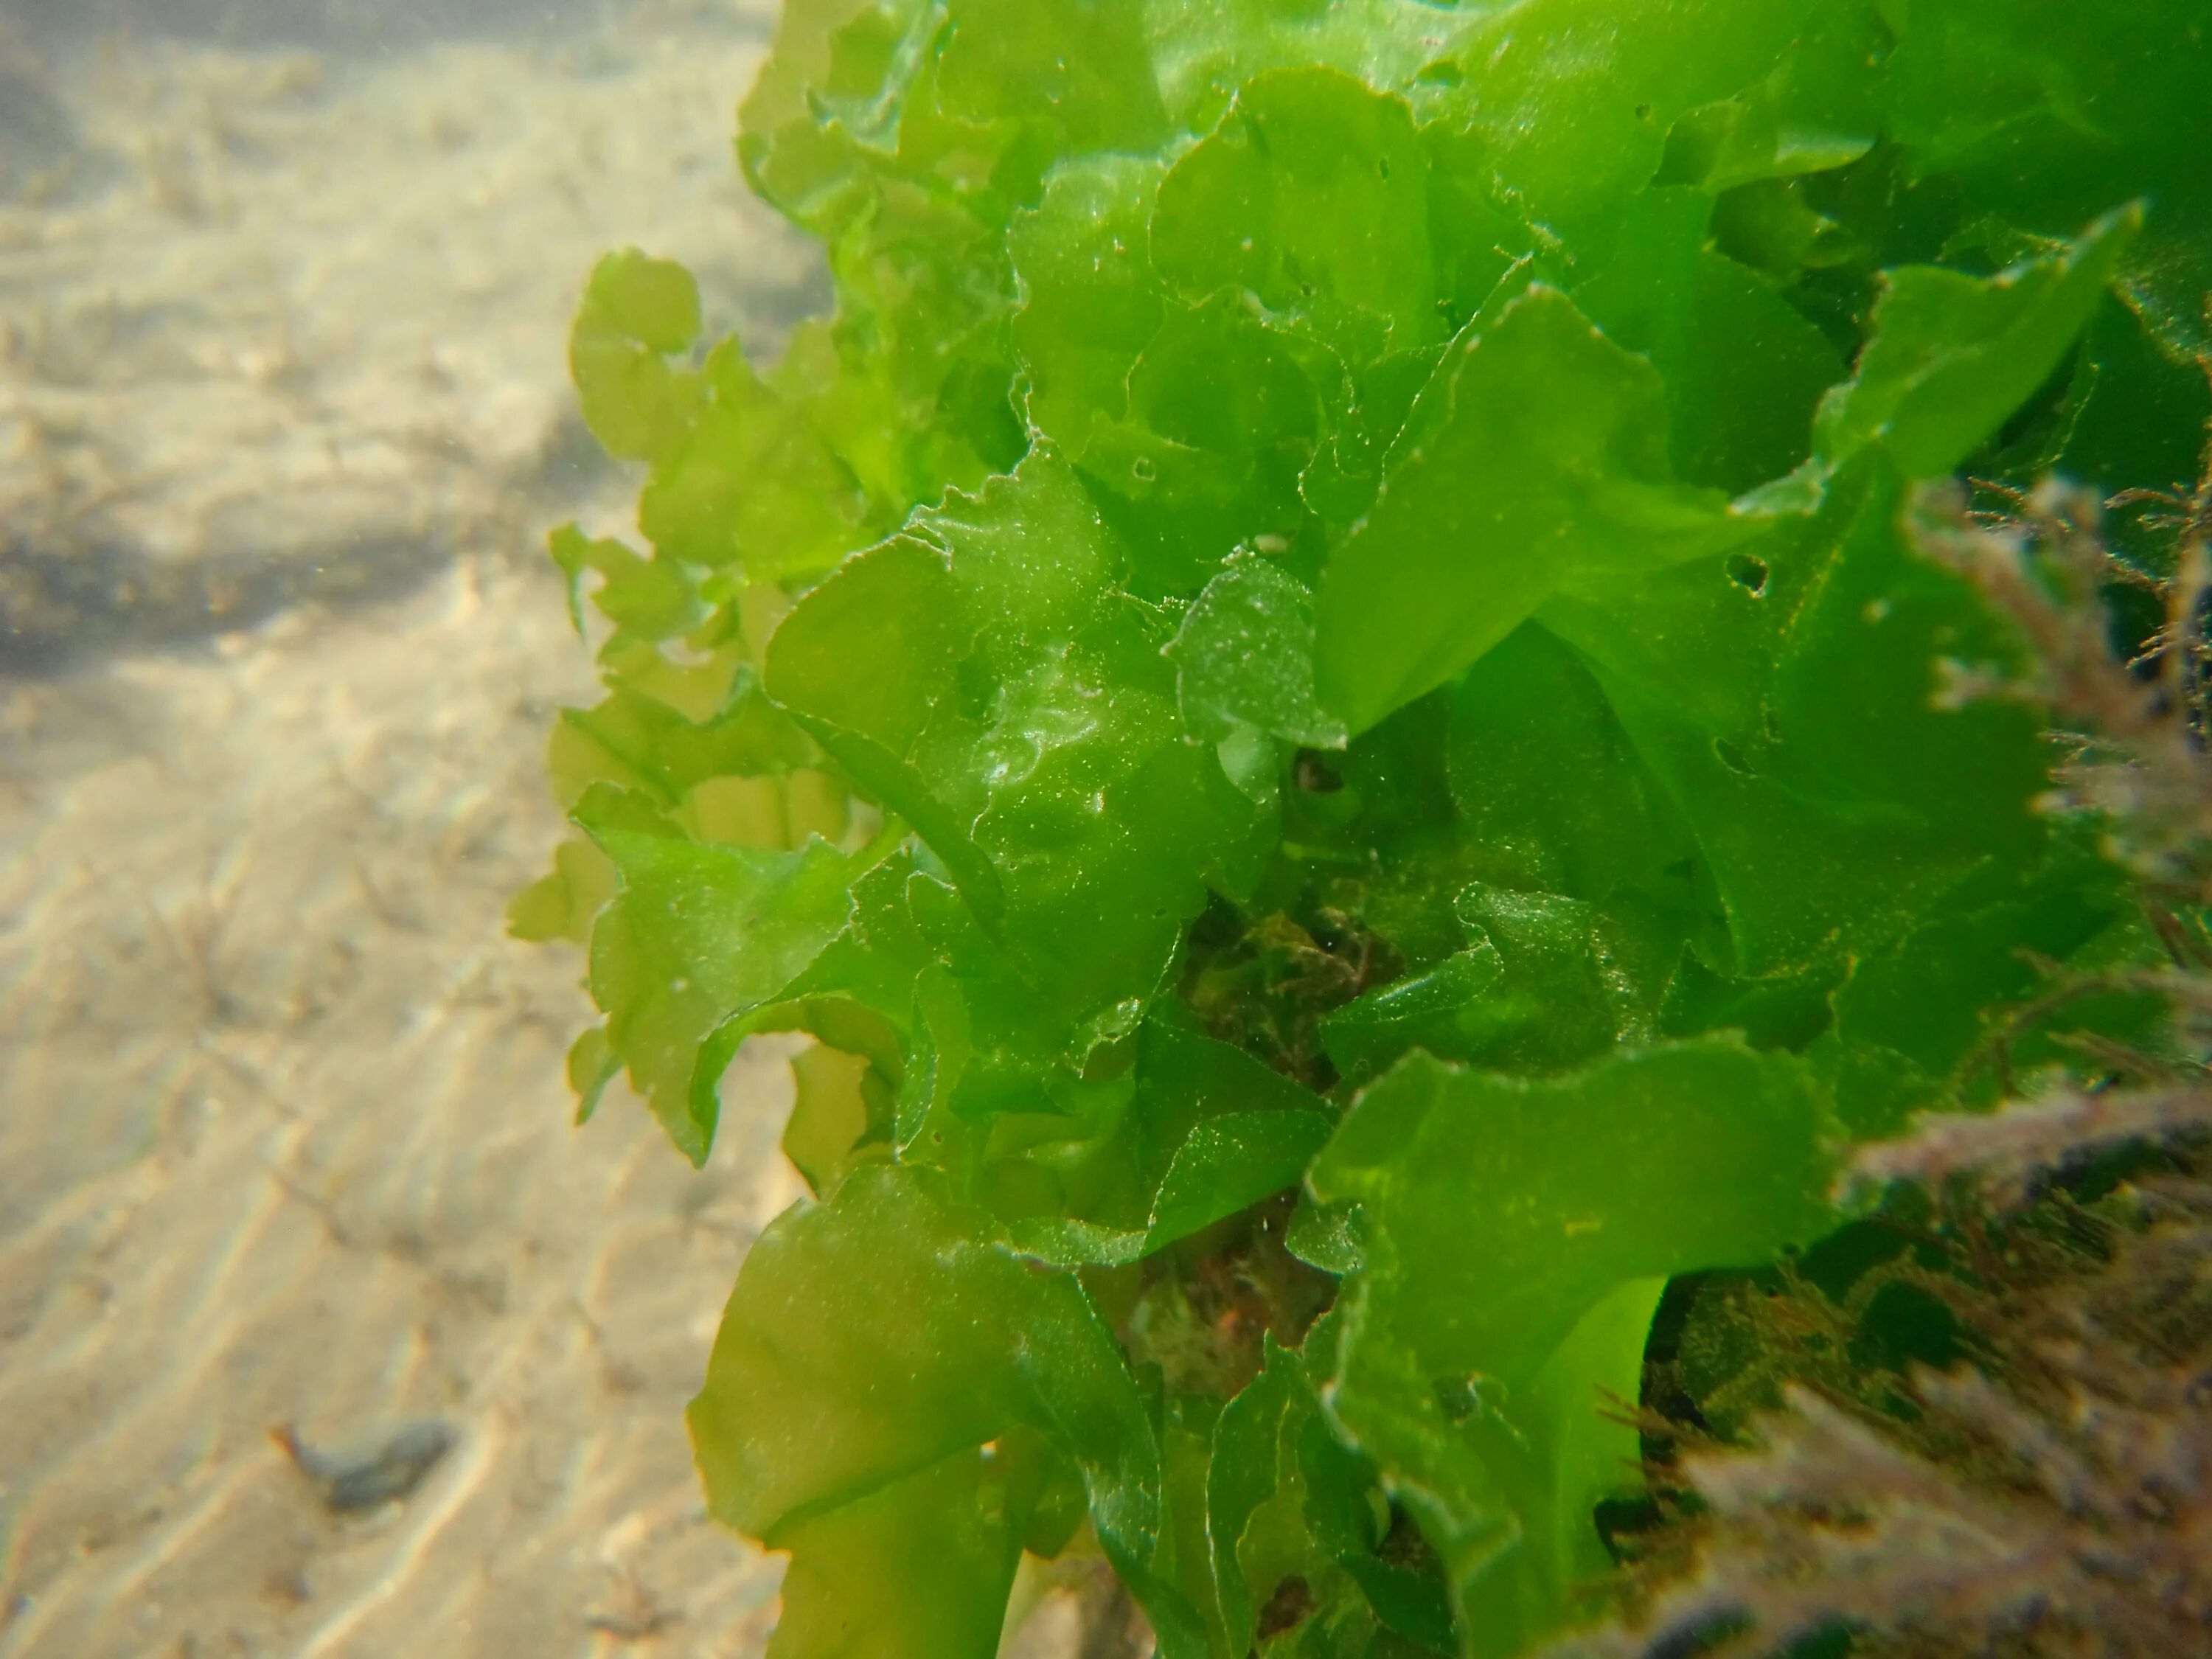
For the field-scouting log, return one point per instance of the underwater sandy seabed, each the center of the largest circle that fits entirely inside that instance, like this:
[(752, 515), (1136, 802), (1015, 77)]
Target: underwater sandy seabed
[(283, 1132)]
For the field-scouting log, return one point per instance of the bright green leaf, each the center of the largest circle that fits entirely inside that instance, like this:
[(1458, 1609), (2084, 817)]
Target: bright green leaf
[(1244, 657), (698, 934), (637, 313), (1953, 355), (1535, 458)]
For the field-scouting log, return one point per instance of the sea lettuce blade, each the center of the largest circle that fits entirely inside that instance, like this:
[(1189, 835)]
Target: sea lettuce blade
[(1536, 456), (1459, 1366)]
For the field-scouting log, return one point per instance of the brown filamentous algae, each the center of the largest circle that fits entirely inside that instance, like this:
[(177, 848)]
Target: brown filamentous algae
[(386, 1469)]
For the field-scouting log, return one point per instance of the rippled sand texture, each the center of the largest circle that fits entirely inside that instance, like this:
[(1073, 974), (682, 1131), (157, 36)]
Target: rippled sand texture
[(282, 1128), (283, 327), (283, 1141)]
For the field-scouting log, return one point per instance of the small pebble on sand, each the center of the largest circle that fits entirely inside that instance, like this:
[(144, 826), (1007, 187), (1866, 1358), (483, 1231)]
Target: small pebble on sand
[(372, 1472)]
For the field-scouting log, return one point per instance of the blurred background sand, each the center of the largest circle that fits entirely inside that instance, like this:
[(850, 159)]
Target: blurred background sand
[(284, 1136)]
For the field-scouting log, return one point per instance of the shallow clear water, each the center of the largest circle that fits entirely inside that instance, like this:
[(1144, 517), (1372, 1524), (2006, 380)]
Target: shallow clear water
[(284, 1135)]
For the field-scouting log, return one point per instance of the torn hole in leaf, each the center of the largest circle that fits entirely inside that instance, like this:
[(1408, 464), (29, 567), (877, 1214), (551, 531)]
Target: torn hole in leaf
[(1747, 573), (1732, 758)]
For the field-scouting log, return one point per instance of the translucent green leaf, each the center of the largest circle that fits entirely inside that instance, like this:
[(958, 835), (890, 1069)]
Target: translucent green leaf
[(2139, 423), (1290, 1507), (753, 481), (637, 312), (2046, 114), (591, 1064), (1244, 657), (698, 935), (1209, 1132), (643, 598), (1324, 1236), (1786, 702), (1536, 456), (1548, 983), (1953, 355), (1082, 68), (1743, 370), (1230, 1163), (654, 302), (899, 599), (1224, 419), (840, 59), (856, 1588), (1579, 1397), (640, 741), (1529, 714), (1439, 1011), (840, 1102), (1312, 196), (1089, 301), (1340, 483), (1909, 1019), (1019, 715), (1576, 101), (562, 903), (1203, 51), (1692, 1155), (1644, 1165), (1226, 1165), (1819, 109), (1241, 1474), (944, 1343)]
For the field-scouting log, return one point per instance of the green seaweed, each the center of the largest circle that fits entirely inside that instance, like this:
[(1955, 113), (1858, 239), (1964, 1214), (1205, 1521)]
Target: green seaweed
[(1316, 689)]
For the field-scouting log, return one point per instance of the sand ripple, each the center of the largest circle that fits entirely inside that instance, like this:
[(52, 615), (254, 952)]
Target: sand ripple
[(284, 1140)]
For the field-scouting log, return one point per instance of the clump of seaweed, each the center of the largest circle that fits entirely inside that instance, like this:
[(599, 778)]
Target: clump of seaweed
[(1991, 1432)]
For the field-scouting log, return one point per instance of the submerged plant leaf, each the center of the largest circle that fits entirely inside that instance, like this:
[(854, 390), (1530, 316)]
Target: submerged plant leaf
[(1953, 355), (1794, 721), (638, 313), (1314, 689), (946, 1343), (696, 934), (1244, 658), (1019, 715), (1534, 461), (1465, 1345), (1311, 196)]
